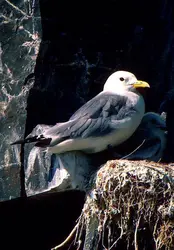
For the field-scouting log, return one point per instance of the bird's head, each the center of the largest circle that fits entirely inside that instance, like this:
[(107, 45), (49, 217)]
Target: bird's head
[(153, 120), (122, 81)]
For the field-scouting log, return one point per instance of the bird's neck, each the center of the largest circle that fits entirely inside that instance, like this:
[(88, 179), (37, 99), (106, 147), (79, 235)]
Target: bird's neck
[(122, 92), (119, 90)]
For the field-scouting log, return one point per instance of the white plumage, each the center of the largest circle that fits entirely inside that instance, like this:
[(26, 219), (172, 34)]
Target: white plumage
[(109, 118)]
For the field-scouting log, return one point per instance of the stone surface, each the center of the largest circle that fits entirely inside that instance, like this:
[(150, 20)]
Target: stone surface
[(20, 32), (42, 170)]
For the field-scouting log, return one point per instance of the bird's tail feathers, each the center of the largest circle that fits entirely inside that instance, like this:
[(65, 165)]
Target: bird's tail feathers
[(40, 140)]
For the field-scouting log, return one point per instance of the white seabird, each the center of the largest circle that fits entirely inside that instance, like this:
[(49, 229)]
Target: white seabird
[(150, 139), (108, 119)]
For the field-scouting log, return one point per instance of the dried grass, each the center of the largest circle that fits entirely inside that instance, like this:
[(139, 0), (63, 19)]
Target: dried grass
[(125, 197)]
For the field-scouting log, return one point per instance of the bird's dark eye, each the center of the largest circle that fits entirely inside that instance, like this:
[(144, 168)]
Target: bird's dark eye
[(121, 79)]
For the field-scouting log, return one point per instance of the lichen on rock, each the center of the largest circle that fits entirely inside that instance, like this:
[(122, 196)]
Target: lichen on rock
[(20, 29)]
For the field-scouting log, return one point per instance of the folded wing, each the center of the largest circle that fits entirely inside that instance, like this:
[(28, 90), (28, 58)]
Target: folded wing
[(100, 116)]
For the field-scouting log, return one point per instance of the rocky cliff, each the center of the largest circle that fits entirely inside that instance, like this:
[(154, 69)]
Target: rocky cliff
[(54, 56)]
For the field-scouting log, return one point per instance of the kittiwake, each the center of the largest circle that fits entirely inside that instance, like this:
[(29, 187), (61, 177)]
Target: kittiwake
[(108, 119)]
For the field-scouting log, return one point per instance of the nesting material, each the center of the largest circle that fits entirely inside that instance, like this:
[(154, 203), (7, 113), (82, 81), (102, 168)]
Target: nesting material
[(128, 199)]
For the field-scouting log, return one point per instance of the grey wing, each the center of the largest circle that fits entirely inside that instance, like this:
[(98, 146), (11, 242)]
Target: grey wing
[(99, 116), (100, 105)]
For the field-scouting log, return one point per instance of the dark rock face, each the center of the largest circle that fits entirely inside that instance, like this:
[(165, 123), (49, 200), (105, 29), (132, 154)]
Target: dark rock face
[(40, 222), (81, 46), (167, 106)]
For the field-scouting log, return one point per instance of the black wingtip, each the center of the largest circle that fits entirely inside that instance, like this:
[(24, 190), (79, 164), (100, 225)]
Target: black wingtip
[(26, 140), (17, 142), (40, 141)]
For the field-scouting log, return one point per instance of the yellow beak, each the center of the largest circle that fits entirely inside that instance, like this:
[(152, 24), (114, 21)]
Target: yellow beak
[(141, 84)]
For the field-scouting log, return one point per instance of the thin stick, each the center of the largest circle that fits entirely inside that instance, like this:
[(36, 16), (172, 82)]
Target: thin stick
[(16, 8), (135, 234), (124, 157), (67, 239)]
